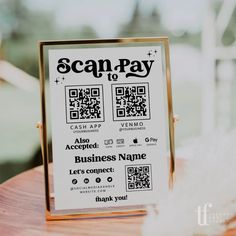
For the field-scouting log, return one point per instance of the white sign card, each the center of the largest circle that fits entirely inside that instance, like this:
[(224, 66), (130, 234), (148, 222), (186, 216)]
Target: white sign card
[(108, 118)]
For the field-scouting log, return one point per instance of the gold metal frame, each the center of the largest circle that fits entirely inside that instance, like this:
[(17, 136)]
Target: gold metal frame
[(50, 215)]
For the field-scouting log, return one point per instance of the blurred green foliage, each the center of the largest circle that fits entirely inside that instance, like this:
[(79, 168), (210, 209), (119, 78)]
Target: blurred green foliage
[(22, 28)]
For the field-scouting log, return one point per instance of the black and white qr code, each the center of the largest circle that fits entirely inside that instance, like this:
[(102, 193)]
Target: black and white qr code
[(138, 177), (131, 101), (84, 103)]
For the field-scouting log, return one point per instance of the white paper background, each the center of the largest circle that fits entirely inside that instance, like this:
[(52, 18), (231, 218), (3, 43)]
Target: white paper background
[(62, 135)]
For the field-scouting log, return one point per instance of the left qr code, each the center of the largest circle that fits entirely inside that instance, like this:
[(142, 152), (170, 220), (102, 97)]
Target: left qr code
[(84, 103)]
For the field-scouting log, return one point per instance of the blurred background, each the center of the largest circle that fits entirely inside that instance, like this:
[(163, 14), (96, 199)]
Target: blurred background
[(203, 56)]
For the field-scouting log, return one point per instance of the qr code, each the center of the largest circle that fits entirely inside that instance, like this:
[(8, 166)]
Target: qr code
[(84, 103), (130, 101), (138, 177)]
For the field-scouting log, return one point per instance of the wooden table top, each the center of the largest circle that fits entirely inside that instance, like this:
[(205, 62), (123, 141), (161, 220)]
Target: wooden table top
[(22, 212)]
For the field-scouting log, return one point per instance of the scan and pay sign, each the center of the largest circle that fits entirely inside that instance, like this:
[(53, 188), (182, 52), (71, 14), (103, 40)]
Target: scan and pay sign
[(110, 118)]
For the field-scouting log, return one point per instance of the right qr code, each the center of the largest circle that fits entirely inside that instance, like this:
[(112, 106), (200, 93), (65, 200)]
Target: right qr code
[(138, 177), (130, 101), (84, 103)]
